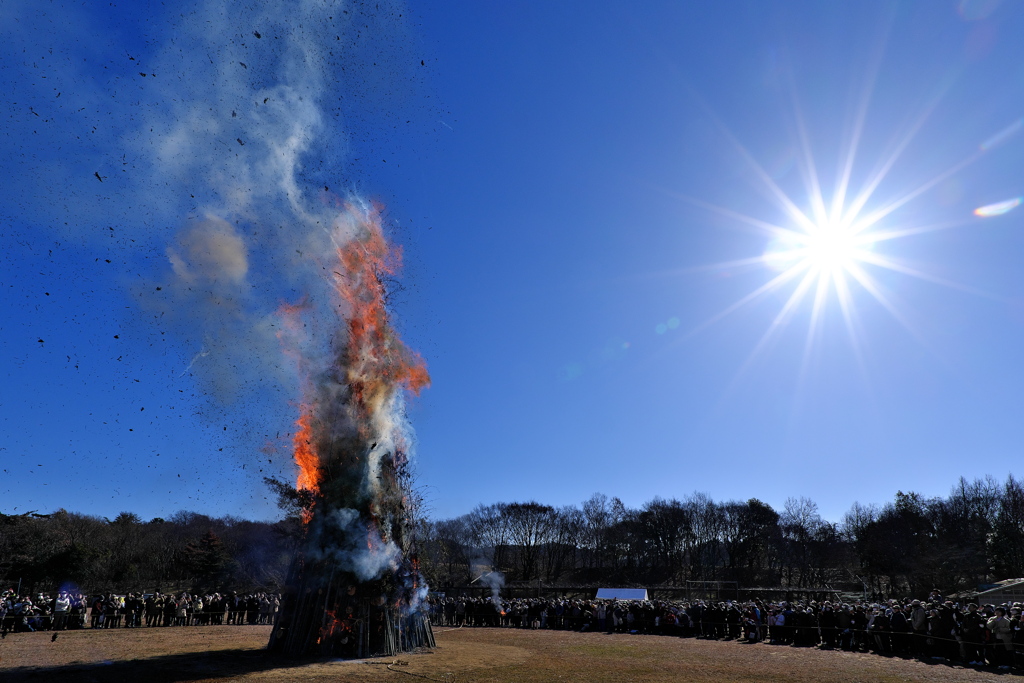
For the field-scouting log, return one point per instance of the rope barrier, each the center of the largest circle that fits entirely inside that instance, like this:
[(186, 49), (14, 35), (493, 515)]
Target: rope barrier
[(448, 677), (814, 634), (698, 627)]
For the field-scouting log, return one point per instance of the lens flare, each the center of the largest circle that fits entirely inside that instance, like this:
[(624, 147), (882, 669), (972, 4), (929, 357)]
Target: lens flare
[(1003, 135), (999, 208)]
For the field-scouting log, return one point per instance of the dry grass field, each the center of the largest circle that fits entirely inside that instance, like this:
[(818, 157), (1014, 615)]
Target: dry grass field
[(222, 654)]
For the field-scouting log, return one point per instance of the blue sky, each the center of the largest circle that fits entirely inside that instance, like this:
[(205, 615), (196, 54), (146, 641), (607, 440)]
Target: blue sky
[(566, 181)]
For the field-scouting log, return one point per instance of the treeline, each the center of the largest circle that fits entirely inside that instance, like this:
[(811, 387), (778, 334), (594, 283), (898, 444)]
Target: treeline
[(973, 536), (189, 551)]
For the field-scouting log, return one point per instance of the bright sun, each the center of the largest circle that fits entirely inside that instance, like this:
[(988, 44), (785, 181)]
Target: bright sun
[(830, 247), (827, 250)]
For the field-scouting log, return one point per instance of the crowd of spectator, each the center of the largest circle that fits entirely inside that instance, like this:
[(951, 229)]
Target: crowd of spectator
[(74, 610), (934, 628)]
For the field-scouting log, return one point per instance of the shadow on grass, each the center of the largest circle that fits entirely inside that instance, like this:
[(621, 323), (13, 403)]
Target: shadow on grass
[(174, 668)]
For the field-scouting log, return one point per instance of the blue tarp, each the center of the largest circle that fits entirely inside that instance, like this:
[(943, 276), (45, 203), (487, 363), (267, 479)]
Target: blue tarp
[(622, 593)]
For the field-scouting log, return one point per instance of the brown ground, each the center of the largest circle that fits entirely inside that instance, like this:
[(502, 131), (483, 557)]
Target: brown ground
[(226, 653)]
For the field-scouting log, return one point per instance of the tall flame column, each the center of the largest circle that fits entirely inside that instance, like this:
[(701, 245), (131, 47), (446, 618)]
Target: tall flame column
[(353, 589)]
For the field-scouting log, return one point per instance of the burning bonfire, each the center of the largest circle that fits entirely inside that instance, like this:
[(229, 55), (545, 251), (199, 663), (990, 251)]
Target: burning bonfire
[(354, 588)]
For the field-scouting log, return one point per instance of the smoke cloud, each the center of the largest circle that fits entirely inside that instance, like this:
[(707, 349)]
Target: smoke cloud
[(214, 145), (210, 253), (248, 141), (352, 547), (495, 581)]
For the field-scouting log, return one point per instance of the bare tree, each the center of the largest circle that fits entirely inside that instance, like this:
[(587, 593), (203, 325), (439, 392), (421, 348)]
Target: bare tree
[(1007, 540), (531, 525)]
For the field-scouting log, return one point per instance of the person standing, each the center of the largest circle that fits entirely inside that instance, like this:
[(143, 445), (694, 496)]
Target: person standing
[(827, 625), (879, 628), (6, 612), (1017, 627), (61, 607), (899, 626), (96, 612), (79, 607), (153, 606), (919, 625), (1002, 639), (776, 626), (972, 635)]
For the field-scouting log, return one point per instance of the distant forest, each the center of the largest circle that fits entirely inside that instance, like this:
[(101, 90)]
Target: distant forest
[(973, 536), (187, 551)]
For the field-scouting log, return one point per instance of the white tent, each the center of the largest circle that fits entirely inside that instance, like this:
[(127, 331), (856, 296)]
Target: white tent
[(621, 593)]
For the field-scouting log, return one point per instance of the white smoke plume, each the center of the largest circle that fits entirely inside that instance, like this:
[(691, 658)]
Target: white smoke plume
[(363, 553), (212, 141), (246, 86), (495, 581)]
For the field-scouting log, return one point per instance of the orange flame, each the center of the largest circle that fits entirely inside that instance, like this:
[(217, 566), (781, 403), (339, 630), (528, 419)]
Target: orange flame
[(305, 454), (374, 361), (302, 441), (378, 359), (332, 626)]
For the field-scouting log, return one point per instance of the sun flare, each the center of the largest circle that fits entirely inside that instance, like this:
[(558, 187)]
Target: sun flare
[(830, 247), (824, 251)]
